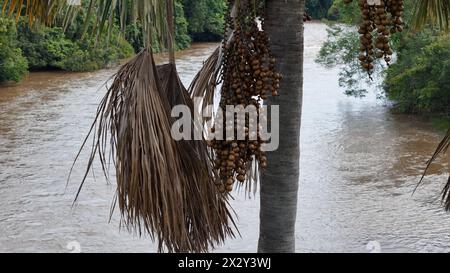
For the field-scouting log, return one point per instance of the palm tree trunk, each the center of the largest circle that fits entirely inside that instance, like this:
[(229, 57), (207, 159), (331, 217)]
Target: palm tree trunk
[(279, 183)]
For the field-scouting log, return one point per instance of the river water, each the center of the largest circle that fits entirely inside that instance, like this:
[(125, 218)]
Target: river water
[(359, 165)]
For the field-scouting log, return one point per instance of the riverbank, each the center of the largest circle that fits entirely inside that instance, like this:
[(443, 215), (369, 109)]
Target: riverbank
[(78, 47), (441, 123)]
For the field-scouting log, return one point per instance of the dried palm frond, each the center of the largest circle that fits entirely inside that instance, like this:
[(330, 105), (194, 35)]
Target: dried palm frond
[(134, 117), (441, 149), (164, 188), (204, 84), (206, 207), (446, 195)]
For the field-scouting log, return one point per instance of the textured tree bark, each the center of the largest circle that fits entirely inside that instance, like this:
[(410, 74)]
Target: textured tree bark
[(279, 183)]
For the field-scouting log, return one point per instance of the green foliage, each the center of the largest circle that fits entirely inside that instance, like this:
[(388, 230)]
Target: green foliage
[(205, 18), (350, 13), (318, 9), (417, 82), (88, 56), (53, 47), (420, 79), (134, 35), (182, 39), (345, 13), (46, 47), (13, 66), (342, 48)]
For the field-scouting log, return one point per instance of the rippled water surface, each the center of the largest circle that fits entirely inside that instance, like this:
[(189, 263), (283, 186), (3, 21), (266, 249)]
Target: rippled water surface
[(359, 165)]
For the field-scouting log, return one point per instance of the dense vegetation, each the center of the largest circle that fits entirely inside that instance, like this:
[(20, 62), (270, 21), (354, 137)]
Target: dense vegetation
[(13, 66), (51, 48), (420, 79), (205, 18), (24, 47), (417, 82), (344, 13), (318, 9), (39, 47)]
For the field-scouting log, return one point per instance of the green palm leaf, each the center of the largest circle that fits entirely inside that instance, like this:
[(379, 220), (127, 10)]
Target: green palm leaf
[(432, 11), (151, 14)]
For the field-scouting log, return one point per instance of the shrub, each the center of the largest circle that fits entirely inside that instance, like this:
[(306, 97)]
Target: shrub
[(206, 18), (46, 47), (182, 39), (13, 66), (420, 79)]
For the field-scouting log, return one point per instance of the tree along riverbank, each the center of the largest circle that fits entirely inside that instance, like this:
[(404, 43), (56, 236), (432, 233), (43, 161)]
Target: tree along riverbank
[(72, 47), (417, 80)]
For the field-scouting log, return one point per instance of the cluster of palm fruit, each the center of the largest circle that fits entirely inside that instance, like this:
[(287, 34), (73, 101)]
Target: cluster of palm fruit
[(248, 77), (380, 19)]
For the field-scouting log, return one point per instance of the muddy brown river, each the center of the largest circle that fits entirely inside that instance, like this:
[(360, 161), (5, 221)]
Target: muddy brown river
[(359, 166)]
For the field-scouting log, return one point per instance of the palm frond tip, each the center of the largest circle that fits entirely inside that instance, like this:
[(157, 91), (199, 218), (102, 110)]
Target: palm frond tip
[(441, 149)]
